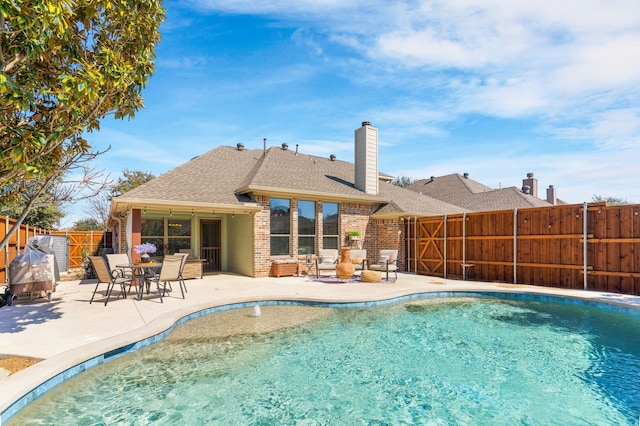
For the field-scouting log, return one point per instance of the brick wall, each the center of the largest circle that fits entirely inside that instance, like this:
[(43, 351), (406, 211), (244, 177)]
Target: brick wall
[(375, 234), (386, 234)]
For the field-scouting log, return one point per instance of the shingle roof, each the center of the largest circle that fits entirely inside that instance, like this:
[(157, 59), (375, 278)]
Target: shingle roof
[(226, 175), (474, 196)]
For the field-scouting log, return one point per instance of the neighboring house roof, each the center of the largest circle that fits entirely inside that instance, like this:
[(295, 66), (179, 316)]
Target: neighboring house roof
[(474, 196), (227, 178)]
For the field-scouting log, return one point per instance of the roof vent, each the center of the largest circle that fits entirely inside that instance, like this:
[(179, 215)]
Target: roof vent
[(240, 147), (526, 189), (332, 157), (432, 178), (285, 146), (465, 175), (366, 123)]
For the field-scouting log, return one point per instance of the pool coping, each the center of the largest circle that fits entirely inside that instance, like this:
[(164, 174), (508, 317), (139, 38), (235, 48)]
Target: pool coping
[(22, 388)]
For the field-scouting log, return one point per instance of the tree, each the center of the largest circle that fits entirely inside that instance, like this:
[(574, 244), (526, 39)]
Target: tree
[(611, 201), (98, 208), (45, 217), (64, 66), (130, 179), (403, 181), (88, 224)]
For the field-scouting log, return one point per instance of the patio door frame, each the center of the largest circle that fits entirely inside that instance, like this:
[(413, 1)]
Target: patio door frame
[(211, 254)]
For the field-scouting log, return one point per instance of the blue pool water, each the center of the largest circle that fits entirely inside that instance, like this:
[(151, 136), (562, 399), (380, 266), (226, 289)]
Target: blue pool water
[(479, 360)]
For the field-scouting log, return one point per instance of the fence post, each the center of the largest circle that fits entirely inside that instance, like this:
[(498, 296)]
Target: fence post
[(6, 250), (585, 209), (515, 246), (415, 244), (445, 247), (464, 240)]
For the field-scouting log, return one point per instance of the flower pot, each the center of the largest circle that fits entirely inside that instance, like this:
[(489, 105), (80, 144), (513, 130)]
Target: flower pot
[(145, 258)]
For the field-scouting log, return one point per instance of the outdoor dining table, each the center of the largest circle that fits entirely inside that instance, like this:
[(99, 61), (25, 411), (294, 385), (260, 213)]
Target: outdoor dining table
[(140, 272)]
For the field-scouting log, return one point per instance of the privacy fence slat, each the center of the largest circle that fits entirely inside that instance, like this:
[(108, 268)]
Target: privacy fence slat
[(539, 246), (81, 243)]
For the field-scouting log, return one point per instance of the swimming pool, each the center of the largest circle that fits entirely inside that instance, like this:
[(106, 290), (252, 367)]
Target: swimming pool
[(497, 360)]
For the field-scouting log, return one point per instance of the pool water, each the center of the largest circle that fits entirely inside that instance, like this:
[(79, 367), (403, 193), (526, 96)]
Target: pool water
[(473, 360)]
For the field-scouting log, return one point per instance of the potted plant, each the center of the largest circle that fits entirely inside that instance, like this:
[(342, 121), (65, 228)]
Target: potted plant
[(353, 235), (144, 250)]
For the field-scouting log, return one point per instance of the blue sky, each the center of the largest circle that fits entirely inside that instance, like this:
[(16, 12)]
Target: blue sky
[(493, 88)]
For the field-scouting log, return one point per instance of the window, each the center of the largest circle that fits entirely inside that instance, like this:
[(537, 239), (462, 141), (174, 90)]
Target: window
[(178, 235), (170, 232), (280, 226), (306, 227), (330, 226), (152, 231)]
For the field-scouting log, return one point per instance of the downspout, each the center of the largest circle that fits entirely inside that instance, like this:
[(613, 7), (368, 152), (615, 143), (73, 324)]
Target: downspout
[(117, 219)]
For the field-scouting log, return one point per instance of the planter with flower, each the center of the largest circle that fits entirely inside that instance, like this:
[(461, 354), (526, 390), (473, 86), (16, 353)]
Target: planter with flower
[(144, 250)]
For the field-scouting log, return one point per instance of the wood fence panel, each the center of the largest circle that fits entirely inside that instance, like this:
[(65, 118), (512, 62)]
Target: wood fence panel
[(550, 246)]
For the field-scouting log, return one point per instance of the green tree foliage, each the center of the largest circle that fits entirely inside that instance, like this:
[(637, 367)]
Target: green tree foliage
[(130, 179), (45, 217), (88, 224), (611, 201), (64, 66), (403, 181)]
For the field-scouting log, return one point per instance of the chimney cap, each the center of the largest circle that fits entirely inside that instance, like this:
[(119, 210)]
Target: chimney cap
[(240, 146), (366, 123), (529, 175)]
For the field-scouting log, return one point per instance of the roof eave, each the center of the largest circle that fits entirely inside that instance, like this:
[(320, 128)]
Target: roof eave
[(312, 195), (118, 205)]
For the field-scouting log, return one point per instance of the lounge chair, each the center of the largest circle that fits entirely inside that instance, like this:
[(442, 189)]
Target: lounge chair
[(387, 262), (104, 276), (359, 259), (327, 260)]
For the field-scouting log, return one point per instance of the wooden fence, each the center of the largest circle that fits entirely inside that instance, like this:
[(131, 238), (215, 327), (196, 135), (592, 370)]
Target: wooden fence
[(80, 242), (590, 246)]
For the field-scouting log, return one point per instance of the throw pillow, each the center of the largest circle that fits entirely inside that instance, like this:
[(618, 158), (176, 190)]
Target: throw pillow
[(356, 260), (383, 260), (326, 260)]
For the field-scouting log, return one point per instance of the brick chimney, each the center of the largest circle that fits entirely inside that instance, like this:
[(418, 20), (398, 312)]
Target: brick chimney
[(551, 195), (531, 184), (366, 158)]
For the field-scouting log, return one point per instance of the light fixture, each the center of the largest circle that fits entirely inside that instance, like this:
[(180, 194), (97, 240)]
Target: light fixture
[(233, 215), (145, 210), (170, 212), (191, 212)]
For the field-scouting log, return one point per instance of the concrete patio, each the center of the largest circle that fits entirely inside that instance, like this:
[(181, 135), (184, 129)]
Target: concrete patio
[(69, 330)]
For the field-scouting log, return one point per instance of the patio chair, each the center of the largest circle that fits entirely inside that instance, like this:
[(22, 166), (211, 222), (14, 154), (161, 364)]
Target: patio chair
[(387, 262), (359, 259), (104, 276), (327, 260), (170, 271), (184, 255), (119, 259)]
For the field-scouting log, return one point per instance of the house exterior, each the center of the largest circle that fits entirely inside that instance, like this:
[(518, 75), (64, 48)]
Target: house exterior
[(472, 195), (239, 209)]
